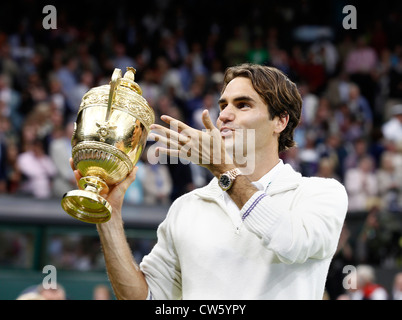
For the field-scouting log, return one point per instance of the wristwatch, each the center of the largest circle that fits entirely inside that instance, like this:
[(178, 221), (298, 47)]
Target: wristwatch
[(227, 178)]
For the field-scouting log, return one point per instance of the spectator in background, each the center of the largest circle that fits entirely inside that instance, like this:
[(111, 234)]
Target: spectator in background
[(312, 71), (57, 98), (322, 124), (53, 294), (38, 170), (237, 46), (9, 173), (326, 169), (135, 192), (361, 184), (38, 292), (33, 93), (209, 103), (310, 104), (308, 156), (67, 75), (102, 292), (194, 101), (60, 153), (13, 174), (361, 59), (3, 166), (360, 108), (291, 156), (150, 90), (327, 54), (120, 59), (392, 129), (389, 183), (30, 296), (370, 239), (77, 92), (10, 100), (367, 287), (360, 64), (338, 88), (334, 149), (358, 150), (168, 78), (258, 53), (397, 287), (9, 64), (158, 183), (395, 74)]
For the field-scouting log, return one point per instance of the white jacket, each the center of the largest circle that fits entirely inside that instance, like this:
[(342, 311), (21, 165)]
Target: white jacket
[(282, 251)]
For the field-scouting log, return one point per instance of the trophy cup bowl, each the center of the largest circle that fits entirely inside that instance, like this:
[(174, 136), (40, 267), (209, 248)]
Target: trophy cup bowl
[(109, 136)]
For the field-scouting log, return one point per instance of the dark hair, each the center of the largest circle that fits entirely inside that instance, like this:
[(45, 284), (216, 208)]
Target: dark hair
[(279, 93)]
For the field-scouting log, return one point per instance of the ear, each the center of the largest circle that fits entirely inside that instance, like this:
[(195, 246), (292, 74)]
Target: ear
[(281, 122)]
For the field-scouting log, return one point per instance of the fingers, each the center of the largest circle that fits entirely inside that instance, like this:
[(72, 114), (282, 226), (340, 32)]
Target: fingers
[(71, 163), (77, 176), (168, 136), (175, 123), (170, 152), (171, 144)]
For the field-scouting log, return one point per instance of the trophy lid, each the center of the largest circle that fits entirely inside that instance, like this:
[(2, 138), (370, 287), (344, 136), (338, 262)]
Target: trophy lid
[(128, 80), (124, 94)]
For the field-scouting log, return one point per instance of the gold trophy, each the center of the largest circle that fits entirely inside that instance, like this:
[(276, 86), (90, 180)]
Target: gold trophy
[(110, 134)]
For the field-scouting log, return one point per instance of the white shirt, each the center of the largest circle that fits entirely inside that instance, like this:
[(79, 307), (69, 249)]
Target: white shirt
[(392, 130), (283, 249)]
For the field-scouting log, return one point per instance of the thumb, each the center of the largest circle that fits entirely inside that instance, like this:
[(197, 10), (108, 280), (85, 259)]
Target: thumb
[(123, 186), (129, 180), (206, 120)]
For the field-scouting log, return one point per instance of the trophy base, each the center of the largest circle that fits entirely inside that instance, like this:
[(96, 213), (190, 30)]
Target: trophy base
[(86, 206)]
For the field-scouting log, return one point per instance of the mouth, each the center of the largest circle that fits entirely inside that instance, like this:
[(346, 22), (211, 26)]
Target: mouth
[(226, 132)]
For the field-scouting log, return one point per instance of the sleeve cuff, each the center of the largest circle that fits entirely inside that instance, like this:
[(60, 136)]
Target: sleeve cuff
[(258, 215)]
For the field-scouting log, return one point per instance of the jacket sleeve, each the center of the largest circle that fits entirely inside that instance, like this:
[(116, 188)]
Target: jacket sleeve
[(161, 266), (306, 225)]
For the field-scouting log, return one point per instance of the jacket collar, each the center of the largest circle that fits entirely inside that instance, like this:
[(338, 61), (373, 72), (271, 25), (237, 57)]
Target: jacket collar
[(286, 179)]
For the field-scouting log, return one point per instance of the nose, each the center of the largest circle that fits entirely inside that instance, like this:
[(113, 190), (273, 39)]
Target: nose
[(226, 115)]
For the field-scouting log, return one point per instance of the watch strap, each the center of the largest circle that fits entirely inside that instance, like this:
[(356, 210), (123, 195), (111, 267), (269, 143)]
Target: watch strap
[(233, 173)]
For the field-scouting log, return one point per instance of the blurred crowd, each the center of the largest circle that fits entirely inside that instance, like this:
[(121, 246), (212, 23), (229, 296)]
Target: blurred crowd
[(58, 292), (361, 283), (350, 82)]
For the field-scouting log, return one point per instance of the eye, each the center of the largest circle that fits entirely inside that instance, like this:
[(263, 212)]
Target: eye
[(222, 106), (243, 105)]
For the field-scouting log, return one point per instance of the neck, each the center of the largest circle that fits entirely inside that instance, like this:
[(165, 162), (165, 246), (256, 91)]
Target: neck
[(263, 162)]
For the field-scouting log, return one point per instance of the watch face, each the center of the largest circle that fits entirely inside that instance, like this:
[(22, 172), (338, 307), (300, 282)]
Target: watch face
[(224, 181)]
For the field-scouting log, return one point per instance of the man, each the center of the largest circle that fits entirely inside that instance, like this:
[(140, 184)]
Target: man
[(270, 235), (366, 286), (392, 128)]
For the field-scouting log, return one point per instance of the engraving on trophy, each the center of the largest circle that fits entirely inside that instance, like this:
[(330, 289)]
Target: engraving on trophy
[(104, 130)]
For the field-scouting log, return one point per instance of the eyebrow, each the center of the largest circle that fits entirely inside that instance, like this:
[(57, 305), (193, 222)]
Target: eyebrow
[(237, 99)]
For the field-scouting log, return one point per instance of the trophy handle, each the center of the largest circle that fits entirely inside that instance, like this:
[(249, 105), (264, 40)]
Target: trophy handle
[(112, 92)]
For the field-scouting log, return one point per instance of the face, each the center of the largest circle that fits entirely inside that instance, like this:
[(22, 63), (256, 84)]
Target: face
[(242, 108)]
